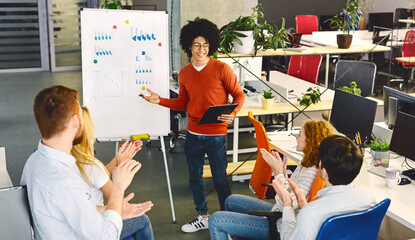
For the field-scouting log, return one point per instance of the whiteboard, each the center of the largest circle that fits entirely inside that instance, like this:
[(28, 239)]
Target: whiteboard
[(123, 53)]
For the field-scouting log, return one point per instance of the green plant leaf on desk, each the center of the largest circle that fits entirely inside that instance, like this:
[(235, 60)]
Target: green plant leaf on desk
[(379, 145), (311, 96), (352, 89), (268, 94)]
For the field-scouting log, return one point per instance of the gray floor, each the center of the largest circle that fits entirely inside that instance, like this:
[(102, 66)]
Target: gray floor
[(20, 136)]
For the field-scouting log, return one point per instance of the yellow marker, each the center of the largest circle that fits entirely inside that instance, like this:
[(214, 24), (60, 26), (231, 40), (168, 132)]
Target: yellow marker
[(144, 88), (140, 136), (127, 22)]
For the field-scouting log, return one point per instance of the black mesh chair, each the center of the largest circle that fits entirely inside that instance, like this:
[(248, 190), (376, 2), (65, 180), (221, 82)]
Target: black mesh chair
[(363, 73)]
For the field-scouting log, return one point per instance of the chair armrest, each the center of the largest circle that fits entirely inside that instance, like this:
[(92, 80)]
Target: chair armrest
[(272, 214), (272, 217)]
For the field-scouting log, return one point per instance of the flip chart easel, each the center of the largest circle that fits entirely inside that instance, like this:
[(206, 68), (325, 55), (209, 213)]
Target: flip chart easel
[(124, 52)]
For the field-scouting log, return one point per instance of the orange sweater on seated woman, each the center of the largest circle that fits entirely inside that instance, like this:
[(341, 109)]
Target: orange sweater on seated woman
[(200, 90)]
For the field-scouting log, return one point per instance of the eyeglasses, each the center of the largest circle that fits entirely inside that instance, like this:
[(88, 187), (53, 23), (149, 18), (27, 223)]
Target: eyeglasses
[(199, 45)]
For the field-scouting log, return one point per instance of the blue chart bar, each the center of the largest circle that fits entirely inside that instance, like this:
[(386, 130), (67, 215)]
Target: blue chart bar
[(137, 35)]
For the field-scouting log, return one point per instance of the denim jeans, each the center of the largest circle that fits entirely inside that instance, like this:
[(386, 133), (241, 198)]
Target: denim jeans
[(236, 221), (139, 227), (215, 147)]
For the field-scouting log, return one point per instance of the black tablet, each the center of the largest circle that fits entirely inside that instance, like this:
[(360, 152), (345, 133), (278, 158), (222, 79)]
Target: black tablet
[(212, 114)]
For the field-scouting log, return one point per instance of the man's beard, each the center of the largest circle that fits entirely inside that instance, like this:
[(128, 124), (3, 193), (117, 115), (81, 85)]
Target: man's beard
[(79, 136)]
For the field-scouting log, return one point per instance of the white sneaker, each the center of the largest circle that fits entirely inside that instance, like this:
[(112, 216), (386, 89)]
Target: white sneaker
[(197, 224)]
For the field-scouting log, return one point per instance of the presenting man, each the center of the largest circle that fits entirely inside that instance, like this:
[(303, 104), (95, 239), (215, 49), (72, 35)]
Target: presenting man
[(204, 82), (340, 164), (60, 200)]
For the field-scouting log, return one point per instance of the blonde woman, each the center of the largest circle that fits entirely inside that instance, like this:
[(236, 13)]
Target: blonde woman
[(236, 221), (98, 176)]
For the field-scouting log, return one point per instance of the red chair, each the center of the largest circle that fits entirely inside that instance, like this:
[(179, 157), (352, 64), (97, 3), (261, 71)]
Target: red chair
[(262, 171), (408, 50), (305, 67), (306, 24)]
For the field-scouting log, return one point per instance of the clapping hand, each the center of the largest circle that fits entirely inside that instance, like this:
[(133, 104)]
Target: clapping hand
[(132, 210), (128, 150), (274, 161)]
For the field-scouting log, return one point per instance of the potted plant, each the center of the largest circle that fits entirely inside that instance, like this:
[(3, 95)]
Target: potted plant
[(267, 100), (346, 21), (312, 95), (352, 89), (246, 34), (111, 4), (380, 152)]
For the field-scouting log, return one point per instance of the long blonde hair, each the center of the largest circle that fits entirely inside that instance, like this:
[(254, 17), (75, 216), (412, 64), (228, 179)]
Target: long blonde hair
[(84, 151)]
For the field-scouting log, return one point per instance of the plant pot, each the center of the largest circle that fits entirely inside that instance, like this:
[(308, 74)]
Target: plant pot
[(247, 43), (344, 41), (381, 158), (267, 103)]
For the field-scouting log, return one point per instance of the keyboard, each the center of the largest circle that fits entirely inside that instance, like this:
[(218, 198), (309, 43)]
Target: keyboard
[(409, 173), (380, 171)]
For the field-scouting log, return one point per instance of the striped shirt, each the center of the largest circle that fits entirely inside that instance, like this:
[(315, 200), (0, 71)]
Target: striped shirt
[(303, 177), (60, 200)]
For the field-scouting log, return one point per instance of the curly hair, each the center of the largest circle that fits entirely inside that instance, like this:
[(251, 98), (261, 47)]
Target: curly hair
[(315, 131), (200, 27)]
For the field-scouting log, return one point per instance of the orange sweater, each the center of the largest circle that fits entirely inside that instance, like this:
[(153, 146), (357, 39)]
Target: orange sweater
[(200, 90)]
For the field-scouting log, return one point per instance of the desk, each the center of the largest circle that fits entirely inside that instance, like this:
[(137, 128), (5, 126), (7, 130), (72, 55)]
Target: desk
[(410, 21), (327, 50), (402, 205), (410, 59), (361, 37), (298, 86)]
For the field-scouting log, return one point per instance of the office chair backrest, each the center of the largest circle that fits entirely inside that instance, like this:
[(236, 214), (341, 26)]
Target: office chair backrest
[(306, 24), (262, 171), (305, 67), (355, 225), (15, 217), (4, 175), (318, 184), (363, 73), (408, 48)]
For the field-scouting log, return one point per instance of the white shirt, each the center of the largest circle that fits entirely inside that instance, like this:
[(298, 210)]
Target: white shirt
[(333, 200), (98, 177), (60, 200)]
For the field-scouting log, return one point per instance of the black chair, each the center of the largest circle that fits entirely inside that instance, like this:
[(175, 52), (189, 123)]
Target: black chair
[(363, 73)]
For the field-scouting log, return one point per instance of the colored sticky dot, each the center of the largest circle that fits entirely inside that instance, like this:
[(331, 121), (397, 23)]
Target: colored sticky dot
[(143, 53), (144, 88), (115, 27), (127, 22), (159, 44), (95, 61)]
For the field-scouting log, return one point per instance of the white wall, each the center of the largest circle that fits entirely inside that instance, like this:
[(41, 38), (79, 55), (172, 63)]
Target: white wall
[(390, 5)]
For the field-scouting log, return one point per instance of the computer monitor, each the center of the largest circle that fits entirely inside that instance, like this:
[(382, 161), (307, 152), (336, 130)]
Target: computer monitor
[(351, 114), (394, 101), (403, 136), (383, 19)]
